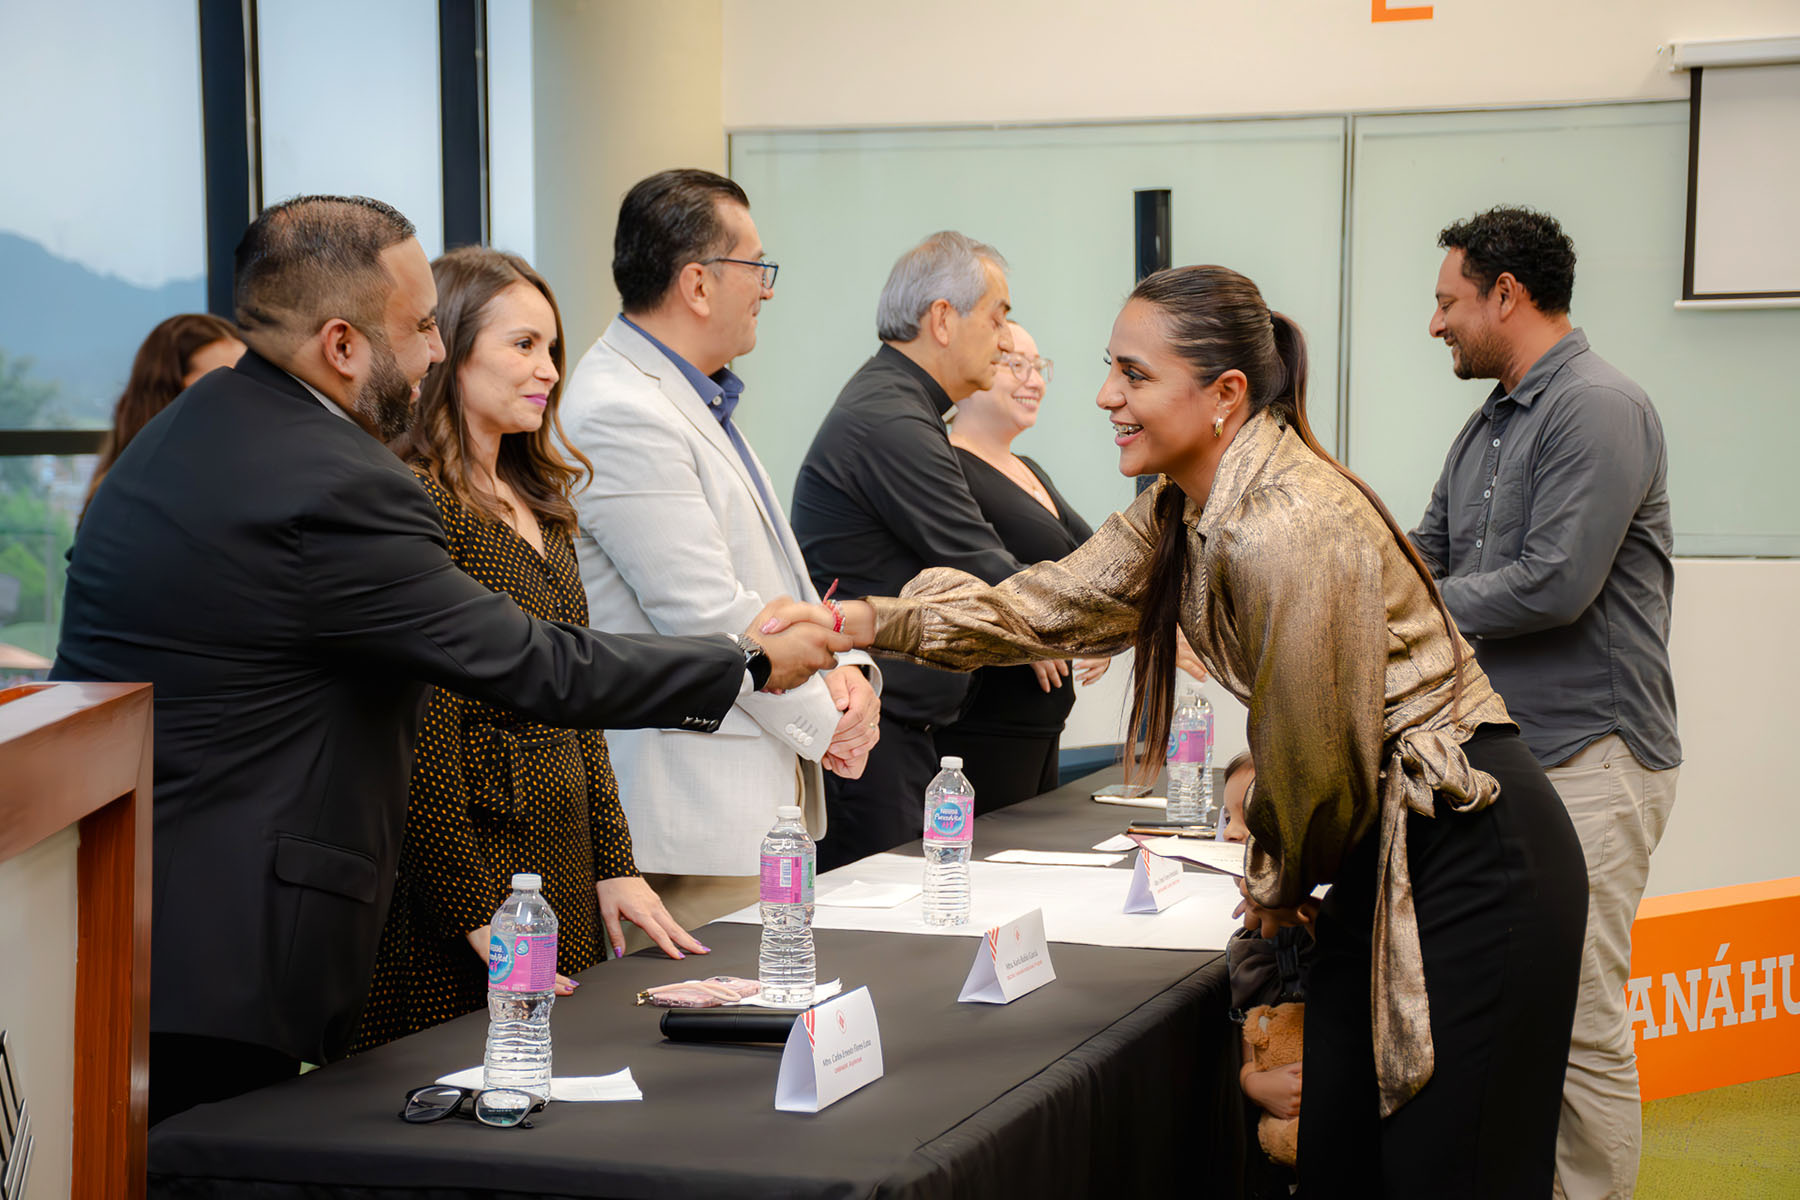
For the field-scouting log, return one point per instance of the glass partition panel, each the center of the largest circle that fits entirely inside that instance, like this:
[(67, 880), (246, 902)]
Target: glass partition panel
[(1615, 176), (836, 209)]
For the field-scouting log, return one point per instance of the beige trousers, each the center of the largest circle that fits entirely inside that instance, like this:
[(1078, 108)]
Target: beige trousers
[(1619, 808), (693, 900)]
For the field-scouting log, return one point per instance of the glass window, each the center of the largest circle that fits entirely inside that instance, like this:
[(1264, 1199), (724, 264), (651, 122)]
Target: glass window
[(102, 200), (102, 235), (511, 194), (349, 104)]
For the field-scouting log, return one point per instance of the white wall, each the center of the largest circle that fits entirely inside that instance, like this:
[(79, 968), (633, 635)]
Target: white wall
[(1736, 656), (826, 63), (620, 91), (37, 994)]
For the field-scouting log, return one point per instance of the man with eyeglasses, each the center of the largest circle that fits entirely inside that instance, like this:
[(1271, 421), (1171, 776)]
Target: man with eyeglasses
[(680, 530), (881, 497)]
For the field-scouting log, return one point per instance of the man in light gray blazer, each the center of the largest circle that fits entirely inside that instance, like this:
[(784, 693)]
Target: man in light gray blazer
[(680, 532)]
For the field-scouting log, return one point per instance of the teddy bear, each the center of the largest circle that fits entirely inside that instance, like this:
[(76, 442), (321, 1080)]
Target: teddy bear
[(1272, 1038)]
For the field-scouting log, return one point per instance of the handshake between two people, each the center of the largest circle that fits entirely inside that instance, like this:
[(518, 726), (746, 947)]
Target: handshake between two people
[(802, 639)]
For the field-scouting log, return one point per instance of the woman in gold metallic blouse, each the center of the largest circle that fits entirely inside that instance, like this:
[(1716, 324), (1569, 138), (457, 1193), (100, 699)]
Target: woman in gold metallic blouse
[(1442, 996)]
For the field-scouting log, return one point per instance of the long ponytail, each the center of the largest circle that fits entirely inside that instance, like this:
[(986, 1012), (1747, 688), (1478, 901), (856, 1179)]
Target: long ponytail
[(1153, 676)]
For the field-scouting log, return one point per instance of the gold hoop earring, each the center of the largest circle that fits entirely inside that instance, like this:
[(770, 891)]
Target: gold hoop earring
[(1219, 427)]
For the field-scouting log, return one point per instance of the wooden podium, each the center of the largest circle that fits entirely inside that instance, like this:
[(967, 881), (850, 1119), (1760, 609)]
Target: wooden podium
[(81, 752)]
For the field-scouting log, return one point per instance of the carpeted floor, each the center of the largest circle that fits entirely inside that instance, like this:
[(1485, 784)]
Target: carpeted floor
[(1731, 1143)]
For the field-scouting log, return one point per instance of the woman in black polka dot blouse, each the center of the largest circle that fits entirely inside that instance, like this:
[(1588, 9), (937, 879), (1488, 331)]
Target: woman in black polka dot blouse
[(493, 791)]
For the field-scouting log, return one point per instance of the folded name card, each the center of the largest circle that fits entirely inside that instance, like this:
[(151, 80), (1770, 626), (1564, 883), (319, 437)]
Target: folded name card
[(1155, 883), (833, 1049), (1011, 960)]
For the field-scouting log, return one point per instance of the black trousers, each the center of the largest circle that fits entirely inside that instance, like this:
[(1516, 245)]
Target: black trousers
[(886, 807), (1501, 897), (1005, 768), (188, 1069)]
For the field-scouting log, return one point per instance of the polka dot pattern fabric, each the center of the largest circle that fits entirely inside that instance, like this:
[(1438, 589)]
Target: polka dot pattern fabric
[(493, 793)]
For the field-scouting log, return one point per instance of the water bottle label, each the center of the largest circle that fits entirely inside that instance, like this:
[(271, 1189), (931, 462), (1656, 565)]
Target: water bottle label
[(949, 820), (787, 879), (522, 963), (1188, 746)]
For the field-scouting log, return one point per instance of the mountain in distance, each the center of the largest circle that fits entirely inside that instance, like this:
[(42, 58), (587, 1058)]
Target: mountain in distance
[(80, 329)]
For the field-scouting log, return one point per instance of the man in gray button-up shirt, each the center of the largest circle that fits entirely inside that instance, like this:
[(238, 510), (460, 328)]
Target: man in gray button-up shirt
[(1550, 534)]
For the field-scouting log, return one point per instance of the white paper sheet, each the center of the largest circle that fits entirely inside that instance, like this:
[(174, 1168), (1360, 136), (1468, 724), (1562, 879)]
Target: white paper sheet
[(1056, 858), (1118, 843), (821, 993), (859, 893), (1227, 857), (617, 1086), (1081, 904), (1161, 802)]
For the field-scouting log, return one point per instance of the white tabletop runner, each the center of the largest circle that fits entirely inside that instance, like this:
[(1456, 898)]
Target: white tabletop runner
[(1081, 904)]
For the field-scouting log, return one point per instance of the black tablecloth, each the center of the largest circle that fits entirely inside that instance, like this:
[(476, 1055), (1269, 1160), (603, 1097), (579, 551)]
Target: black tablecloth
[(1109, 1081)]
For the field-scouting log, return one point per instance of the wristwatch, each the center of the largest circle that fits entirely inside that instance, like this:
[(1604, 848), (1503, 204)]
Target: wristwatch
[(756, 661)]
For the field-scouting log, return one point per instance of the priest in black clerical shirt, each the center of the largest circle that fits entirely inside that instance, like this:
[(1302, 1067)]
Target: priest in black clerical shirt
[(881, 497)]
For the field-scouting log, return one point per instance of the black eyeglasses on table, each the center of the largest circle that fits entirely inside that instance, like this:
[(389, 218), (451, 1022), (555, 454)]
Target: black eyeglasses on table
[(503, 1108), (768, 269)]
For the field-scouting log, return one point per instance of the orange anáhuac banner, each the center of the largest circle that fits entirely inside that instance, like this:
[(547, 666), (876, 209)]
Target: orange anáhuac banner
[(1713, 997)]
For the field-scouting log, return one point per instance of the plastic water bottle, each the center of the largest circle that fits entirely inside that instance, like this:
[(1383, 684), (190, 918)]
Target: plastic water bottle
[(949, 831), (521, 989), (787, 965), (1190, 760)]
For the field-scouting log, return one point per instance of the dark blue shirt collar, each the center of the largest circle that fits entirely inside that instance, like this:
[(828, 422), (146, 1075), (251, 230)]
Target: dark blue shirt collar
[(720, 391)]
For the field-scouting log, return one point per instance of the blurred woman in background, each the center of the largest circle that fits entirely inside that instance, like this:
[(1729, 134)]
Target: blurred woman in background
[(1008, 733), (177, 352)]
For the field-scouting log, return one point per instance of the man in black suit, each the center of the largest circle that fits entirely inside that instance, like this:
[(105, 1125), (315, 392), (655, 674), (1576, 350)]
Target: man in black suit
[(260, 556)]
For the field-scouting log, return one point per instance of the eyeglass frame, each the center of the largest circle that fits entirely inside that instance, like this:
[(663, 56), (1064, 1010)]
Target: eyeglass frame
[(1044, 366), (532, 1105), (769, 269)]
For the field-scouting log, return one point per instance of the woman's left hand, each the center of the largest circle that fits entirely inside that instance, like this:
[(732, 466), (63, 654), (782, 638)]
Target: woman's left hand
[(1269, 921), (1087, 670), (630, 898)]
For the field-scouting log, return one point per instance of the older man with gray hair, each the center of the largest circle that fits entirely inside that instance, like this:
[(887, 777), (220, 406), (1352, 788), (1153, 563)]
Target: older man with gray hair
[(881, 497)]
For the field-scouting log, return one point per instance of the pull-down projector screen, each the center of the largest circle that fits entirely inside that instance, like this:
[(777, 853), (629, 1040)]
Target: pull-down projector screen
[(1744, 183)]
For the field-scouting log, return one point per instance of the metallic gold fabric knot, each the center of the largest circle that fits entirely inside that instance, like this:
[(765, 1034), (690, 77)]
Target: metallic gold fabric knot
[(1423, 763)]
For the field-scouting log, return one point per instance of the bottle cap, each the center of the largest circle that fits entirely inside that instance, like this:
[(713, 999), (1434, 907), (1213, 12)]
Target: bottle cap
[(950, 763), (523, 882), (788, 812)]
